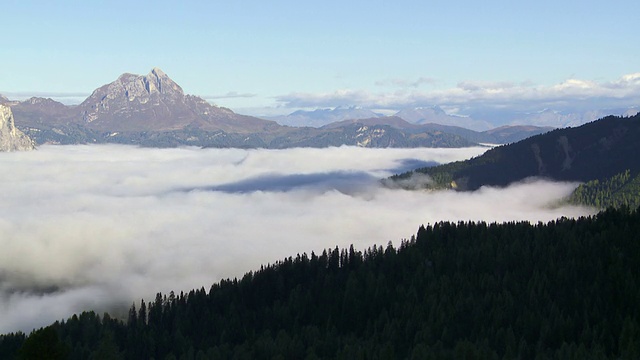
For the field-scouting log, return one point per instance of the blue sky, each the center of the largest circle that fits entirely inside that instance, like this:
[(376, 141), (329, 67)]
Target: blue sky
[(275, 57)]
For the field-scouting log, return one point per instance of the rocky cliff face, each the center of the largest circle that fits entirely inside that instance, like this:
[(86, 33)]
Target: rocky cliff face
[(154, 102), (129, 91), (135, 102), (12, 139)]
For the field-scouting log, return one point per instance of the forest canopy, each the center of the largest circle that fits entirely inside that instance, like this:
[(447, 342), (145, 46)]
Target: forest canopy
[(563, 289)]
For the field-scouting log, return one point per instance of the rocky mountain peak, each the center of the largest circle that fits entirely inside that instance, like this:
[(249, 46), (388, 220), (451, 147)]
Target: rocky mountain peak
[(157, 72), (138, 87), (12, 139), (157, 81), (131, 94), (134, 103)]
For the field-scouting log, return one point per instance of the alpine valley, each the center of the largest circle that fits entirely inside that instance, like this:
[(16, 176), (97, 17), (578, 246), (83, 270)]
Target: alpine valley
[(152, 110)]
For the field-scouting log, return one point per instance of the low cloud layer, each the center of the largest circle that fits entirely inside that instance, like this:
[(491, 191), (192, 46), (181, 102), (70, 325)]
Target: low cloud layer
[(99, 227)]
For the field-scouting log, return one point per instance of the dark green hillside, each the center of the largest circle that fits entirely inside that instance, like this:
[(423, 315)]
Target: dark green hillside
[(594, 151), (375, 136), (568, 289), (621, 190)]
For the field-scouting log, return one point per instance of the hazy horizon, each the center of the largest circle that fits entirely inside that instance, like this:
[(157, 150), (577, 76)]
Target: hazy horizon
[(98, 227), (470, 58), (474, 105)]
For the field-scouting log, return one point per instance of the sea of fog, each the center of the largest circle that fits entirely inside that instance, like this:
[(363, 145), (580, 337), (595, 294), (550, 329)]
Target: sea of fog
[(98, 227)]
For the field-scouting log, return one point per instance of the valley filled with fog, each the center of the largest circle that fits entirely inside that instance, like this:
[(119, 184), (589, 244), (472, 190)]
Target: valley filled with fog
[(98, 227)]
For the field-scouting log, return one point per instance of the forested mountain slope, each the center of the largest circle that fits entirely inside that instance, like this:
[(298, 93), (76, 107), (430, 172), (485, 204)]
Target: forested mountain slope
[(568, 289), (620, 190), (594, 151), (500, 135)]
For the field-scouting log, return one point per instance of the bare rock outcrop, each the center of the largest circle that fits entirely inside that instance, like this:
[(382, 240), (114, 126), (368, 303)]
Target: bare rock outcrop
[(154, 102), (12, 139)]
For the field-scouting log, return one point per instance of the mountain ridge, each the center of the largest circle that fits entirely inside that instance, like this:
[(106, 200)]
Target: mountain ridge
[(595, 151), (322, 117), (500, 135), (478, 121), (153, 110)]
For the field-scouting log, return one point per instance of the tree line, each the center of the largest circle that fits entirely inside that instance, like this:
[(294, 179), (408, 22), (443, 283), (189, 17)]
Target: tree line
[(566, 289), (621, 190)]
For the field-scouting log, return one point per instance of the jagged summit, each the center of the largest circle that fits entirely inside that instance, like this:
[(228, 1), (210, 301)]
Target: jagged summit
[(138, 102), (157, 80), (157, 72), (137, 87), (154, 102)]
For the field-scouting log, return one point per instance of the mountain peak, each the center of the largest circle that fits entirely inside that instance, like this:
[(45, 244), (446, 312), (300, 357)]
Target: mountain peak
[(154, 102), (157, 80), (139, 88), (157, 72), (132, 94), (135, 86)]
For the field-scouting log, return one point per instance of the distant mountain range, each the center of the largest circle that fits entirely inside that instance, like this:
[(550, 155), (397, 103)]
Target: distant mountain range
[(550, 117), (435, 115), (501, 135), (601, 152), (152, 110), (431, 115), (321, 117)]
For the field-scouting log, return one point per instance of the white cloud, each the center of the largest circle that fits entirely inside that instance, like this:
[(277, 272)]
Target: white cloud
[(471, 96), (98, 227)]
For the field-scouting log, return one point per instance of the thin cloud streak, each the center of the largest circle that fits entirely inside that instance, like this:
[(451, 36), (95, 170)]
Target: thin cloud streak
[(229, 95), (403, 83), (98, 227)]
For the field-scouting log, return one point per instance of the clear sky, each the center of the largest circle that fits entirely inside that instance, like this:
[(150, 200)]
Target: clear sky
[(275, 56)]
